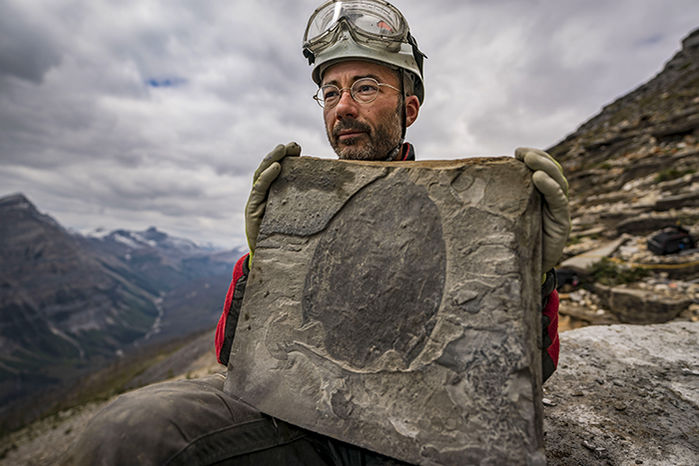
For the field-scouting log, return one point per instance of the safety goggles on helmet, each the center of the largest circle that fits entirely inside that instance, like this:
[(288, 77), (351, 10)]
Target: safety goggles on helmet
[(372, 23)]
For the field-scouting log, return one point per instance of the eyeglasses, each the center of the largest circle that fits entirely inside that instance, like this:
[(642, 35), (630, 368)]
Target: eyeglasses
[(363, 91)]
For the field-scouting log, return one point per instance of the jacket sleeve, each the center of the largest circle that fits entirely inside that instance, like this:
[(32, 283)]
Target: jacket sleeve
[(550, 344), (225, 330)]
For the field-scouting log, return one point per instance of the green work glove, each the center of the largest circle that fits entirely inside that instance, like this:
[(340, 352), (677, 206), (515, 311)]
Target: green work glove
[(549, 181), (265, 174)]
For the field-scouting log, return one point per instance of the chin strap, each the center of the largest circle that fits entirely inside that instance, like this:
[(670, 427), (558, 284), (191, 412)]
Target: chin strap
[(403, 120), (393, 153)]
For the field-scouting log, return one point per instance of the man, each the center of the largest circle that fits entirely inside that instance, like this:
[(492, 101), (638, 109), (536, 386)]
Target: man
[(369, 71)]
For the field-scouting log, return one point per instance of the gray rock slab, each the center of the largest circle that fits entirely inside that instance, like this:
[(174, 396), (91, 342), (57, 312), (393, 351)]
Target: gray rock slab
[(584, 262), (395, 306), (625, 395), (636, 306)]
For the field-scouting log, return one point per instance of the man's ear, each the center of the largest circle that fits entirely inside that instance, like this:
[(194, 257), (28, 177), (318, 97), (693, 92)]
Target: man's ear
[(412, 108)]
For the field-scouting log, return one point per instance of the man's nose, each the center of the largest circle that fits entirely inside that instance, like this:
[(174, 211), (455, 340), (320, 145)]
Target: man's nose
[(347, 106)]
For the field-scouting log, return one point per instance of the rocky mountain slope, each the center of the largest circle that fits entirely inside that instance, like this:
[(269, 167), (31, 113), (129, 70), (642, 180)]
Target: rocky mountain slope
[(59, 305), (633, 169), (70, 303)]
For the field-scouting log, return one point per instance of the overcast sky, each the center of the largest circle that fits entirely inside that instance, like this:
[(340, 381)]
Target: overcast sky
[(156, 112)]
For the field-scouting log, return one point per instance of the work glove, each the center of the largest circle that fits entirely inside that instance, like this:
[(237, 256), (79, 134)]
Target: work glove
[(549, 181), (265, 174)]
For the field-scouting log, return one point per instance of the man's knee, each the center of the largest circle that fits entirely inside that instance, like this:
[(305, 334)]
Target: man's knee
[(150, 425)]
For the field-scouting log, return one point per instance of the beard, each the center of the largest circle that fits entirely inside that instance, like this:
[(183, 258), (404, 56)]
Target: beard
[(381, 140)]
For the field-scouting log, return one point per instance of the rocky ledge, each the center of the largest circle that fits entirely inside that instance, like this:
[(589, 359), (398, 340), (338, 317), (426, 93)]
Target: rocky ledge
[(625, 395)]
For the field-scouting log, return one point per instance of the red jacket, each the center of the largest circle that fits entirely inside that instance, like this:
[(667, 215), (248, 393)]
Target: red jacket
[(228, 321)]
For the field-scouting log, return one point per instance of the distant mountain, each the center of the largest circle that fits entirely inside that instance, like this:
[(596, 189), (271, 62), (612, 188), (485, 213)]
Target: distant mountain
[(47, 271), (189, 281), (70, 302), (152, 238)]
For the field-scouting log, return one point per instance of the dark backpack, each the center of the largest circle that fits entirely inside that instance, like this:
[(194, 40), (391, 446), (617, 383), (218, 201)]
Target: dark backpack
[(670, 240)]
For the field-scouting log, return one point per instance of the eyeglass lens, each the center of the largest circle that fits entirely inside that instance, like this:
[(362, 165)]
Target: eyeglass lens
[(363, 90)]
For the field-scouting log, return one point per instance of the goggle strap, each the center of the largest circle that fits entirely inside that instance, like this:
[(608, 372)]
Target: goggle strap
[(309, 55), (417, 53)]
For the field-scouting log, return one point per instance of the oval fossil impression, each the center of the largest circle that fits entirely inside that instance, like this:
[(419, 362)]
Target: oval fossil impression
[(377, 276)]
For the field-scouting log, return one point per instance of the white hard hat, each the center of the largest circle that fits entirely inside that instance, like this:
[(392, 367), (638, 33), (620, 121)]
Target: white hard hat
[(373, 30)]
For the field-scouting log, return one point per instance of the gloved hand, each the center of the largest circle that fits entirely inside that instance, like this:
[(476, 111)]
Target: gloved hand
[(549, 180), (265, 174)]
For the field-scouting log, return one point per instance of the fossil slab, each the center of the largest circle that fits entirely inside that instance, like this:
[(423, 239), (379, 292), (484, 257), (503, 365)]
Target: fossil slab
[(395, 306)]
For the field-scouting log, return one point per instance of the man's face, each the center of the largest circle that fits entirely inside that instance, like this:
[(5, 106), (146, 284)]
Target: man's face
[(363, 131)]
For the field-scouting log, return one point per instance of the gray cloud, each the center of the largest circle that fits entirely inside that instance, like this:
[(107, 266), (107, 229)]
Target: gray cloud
[(27, 48), (84, 134)]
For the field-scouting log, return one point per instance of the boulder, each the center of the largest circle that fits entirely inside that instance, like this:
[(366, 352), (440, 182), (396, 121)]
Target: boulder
[(645, 224), (625, 395), (395, 306), (635, 306)]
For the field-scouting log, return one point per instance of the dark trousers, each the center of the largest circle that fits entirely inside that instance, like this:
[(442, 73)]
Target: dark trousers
[(193, 422)]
